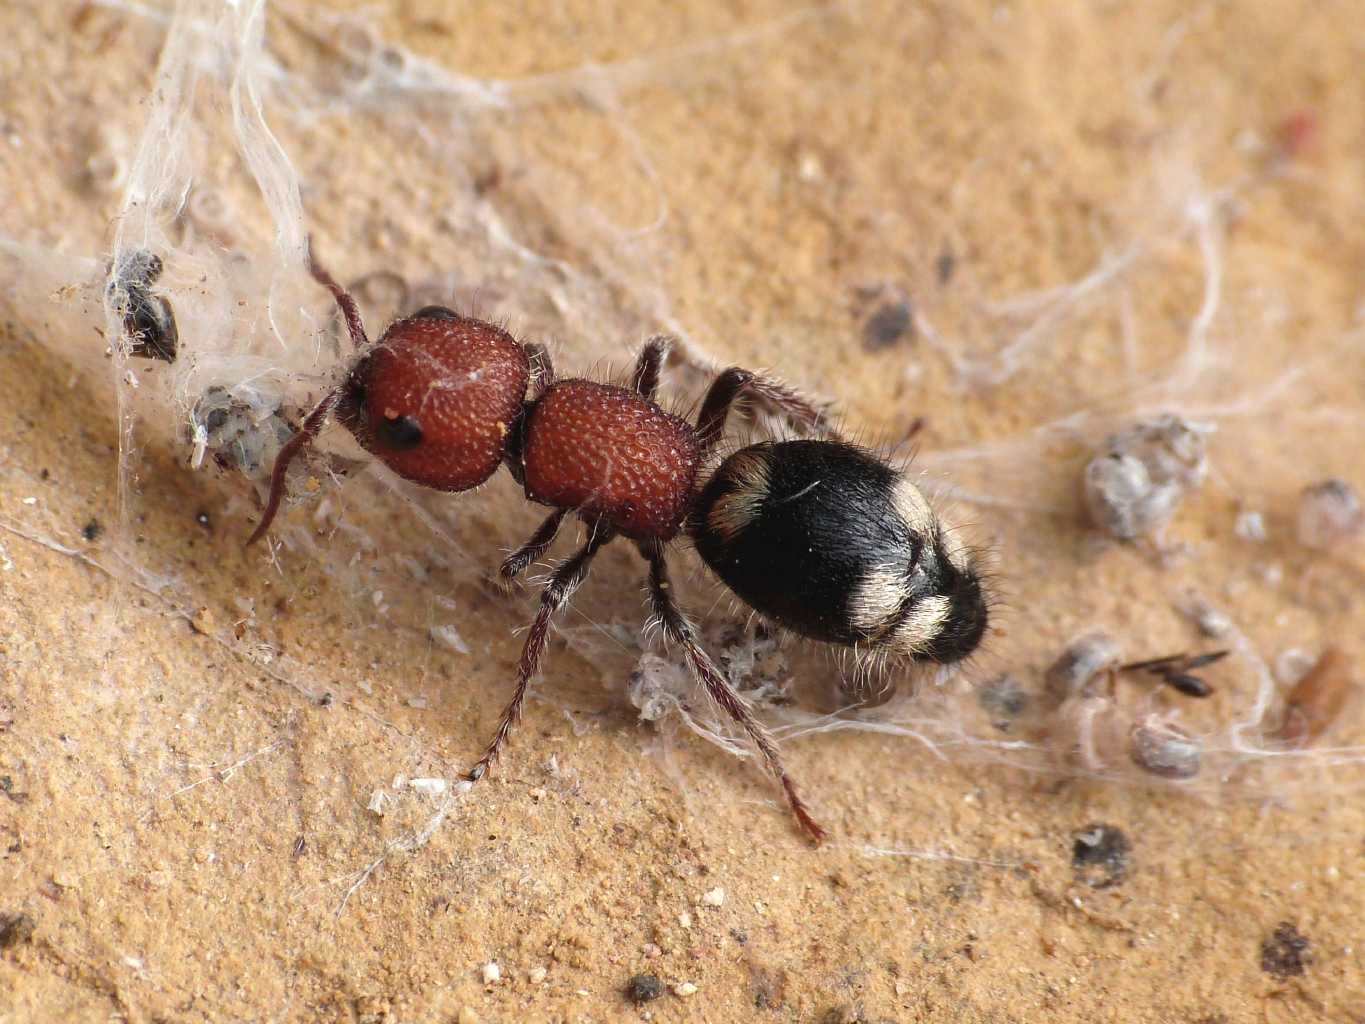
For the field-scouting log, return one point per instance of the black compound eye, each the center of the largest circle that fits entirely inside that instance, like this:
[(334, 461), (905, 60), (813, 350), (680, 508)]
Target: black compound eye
[(400, 433)]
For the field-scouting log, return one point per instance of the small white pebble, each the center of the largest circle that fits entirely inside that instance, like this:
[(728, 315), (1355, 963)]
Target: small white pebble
[(432, 787), (377, 801), (714, 898), (1250, 526), (650, 951), (1329, 513), (809, 169), (1211, 622), (492, 973), (1293, 664), (450, 637), (760, 907), (463, 786), (537, 975), (685, 919), (30, 501), (684, 989)]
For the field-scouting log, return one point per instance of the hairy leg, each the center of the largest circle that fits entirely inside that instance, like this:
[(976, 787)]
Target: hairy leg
[(566, 579), (515, 563), (645, 380), (734, 385), (680, 631)]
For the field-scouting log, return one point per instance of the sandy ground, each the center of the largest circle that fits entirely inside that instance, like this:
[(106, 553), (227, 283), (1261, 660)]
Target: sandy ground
[(192, 736)]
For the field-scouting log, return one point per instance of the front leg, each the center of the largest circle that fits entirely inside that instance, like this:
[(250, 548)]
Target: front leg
[(566, 579), (515, 563)]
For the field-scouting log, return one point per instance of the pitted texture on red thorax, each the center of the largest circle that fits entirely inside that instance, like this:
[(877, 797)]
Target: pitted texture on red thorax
[(611, 454)]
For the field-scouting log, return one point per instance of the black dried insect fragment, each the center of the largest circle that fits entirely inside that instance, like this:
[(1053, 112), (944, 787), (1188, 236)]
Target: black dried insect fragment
[(1285, 952), (1005, 698), (887, 326), (15, 928), (1100, 855), (148, 320), (1175, 670), (644, 988), (1190, 686)]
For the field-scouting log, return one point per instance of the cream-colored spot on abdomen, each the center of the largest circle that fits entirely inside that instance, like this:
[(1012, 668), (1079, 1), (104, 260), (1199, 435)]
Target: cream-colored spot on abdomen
[(735, 510), (921, 626)]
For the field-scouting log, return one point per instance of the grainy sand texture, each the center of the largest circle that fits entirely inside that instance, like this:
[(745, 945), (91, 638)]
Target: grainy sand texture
[(990, 235)]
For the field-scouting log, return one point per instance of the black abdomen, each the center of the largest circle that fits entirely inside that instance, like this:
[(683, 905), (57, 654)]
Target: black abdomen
[(827, 540)]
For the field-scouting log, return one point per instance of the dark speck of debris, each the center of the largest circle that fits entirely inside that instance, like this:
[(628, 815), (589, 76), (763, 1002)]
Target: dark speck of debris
[(1284, 954), (14, 929), (7, 787), (887, 326), (946, 265), (202, 518), (325, 701), (644, 988), (44, 474), (739, 936), (1005, 698), (1100, 855), (92, 530), (768, 987)]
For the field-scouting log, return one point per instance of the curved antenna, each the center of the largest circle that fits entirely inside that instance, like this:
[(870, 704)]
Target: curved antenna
[(310, 429), (313, 424), (349, 310)]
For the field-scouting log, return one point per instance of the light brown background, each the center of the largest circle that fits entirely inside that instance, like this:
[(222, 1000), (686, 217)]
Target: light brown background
[(161, 720)]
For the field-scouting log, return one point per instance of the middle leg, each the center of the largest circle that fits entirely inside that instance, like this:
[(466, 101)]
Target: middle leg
[(566, 579), (680, 631)]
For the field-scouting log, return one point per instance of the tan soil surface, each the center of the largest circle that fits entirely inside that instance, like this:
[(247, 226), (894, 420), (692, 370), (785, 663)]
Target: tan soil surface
[(185, 817)]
